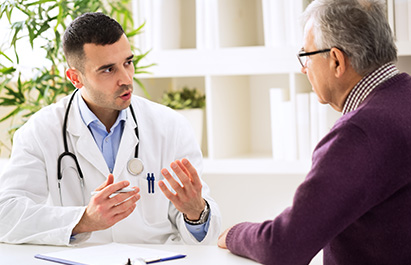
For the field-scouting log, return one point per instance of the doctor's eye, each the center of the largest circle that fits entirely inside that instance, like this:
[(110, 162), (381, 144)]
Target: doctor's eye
[(108, 70), (130, 62)]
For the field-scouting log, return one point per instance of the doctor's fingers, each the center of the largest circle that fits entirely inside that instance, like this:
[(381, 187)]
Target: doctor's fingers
[(186, 194), (182, 167), (171, 196), (124, 196), (110, 189), (103, 204), (124, 206), (192, 172), (102, 215), (186, 173), (118, 213), (189, 202), (174, 183)]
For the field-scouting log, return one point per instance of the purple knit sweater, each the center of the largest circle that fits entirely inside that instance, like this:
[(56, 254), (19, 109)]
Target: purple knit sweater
[(355, 202)]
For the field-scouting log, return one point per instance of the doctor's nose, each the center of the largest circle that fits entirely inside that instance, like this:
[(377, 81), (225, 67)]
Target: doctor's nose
[(125, 77)]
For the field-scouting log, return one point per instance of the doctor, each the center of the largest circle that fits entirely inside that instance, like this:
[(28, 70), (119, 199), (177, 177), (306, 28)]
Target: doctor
[(104, 139)]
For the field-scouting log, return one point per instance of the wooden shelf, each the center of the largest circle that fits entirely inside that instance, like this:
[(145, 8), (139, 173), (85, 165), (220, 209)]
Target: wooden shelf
[(225, 61)]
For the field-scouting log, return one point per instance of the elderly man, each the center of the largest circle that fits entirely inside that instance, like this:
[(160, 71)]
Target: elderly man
[(355, 202)]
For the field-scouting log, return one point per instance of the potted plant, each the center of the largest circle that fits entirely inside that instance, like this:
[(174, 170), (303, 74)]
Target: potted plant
[(42, 23), (190, 102)]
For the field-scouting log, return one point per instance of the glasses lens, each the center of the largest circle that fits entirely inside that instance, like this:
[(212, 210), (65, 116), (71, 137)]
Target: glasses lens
[(303, 60)]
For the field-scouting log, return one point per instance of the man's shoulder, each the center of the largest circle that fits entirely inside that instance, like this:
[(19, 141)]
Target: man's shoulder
[(49, 116)]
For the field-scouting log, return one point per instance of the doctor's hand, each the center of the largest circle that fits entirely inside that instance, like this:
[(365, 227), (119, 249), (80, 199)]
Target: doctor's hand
[(187, 198), (103, 210)]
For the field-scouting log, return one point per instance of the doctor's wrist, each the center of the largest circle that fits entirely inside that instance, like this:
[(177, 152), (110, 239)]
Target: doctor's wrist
[(203, 216)]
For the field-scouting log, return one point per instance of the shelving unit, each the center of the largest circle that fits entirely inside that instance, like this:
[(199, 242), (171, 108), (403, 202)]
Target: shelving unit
[(399, 17), (235, 51)]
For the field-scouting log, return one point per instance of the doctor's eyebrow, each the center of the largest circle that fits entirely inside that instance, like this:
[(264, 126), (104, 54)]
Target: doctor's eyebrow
[(103, 67)]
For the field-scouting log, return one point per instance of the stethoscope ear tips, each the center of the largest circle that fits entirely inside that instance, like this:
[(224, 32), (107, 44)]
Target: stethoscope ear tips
[(135, 166)]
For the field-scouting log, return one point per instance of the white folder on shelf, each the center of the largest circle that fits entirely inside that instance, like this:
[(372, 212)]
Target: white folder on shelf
[(314, 121), (327, 118), (303, 125), (401, 20), (283, 126)]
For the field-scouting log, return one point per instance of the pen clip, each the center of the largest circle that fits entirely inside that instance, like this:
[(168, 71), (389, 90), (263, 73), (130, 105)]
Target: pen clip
[(148, 182), (152, 182)]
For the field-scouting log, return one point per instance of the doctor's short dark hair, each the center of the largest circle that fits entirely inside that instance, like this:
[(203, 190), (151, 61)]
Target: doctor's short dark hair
[(96, 28)]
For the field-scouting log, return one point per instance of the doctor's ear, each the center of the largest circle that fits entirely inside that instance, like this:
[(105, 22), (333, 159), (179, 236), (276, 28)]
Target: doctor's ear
[(74, 76)]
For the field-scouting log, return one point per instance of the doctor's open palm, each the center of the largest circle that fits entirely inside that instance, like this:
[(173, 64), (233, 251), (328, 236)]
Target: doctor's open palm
[(187, 197), (104, 211)]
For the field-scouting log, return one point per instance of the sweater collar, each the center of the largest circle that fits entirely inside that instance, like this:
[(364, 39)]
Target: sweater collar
[(367, 84)]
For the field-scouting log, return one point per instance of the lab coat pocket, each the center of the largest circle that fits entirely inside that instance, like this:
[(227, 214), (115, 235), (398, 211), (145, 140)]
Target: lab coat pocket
[(153, 202)]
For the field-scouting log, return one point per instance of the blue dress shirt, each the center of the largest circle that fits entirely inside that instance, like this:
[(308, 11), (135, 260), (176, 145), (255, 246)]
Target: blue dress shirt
[(107, 142)]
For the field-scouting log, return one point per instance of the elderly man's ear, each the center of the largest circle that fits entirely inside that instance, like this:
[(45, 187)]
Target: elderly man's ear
[(338, 62)]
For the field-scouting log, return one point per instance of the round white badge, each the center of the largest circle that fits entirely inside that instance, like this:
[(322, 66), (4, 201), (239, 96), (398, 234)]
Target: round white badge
[(135, 166)]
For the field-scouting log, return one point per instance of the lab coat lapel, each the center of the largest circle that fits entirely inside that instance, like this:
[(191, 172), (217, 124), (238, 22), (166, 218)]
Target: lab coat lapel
[(127, 146), (83, 141)]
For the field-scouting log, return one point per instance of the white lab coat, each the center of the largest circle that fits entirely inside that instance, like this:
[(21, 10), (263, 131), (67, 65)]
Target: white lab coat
[(30, 209)]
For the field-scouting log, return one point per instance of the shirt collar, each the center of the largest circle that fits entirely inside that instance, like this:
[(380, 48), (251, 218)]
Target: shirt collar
[(89, 117), (367, 84)]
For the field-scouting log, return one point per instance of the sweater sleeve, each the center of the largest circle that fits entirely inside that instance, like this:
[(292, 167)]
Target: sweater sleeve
[(337, 191)]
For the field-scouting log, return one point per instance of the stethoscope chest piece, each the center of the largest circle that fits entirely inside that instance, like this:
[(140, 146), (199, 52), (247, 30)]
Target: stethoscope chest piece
[(135, 166)]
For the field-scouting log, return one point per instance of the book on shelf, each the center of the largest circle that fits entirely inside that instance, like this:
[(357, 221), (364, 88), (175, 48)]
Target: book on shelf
[(274, 21), (303, 126), (296, 130), (402, 20), (323, 118), (314, 121), (327, 118), (283, 129)]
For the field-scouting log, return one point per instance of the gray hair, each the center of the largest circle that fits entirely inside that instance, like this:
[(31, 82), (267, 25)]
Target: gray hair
[(358, 27)]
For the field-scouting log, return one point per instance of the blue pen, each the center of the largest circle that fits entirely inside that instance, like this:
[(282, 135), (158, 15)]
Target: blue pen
[(152, 182), (165, 259), (148, 182)]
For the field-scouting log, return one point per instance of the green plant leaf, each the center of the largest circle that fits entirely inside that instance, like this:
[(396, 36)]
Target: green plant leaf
[(7, 70)]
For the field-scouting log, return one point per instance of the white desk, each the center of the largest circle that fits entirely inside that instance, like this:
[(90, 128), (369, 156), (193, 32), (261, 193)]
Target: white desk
[(198, 255)]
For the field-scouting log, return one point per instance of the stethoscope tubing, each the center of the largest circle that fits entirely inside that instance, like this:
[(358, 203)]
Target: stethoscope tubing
[(73, 156)]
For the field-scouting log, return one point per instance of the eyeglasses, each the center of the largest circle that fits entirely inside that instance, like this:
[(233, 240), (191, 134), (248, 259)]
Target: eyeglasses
[(302, 56)]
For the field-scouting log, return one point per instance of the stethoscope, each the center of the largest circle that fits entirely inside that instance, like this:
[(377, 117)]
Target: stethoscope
[(134, 166)]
